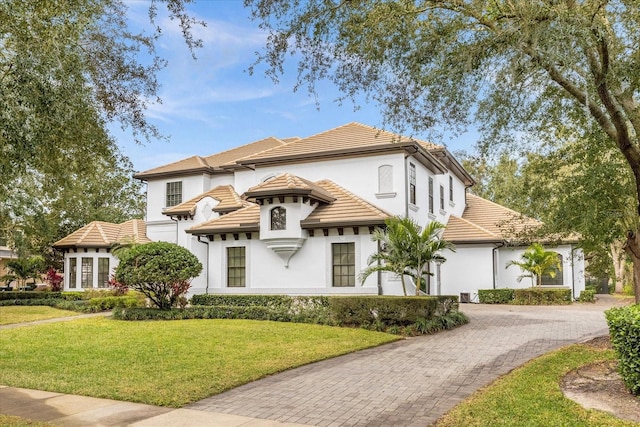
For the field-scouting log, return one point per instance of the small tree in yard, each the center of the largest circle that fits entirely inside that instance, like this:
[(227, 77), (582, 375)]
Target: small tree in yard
[(537, 262), (159, 270)]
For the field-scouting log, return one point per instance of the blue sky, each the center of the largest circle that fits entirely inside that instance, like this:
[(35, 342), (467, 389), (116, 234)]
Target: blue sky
[(212, 104)]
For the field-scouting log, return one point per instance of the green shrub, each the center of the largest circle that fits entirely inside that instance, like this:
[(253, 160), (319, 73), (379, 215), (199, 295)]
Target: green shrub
[(495, 296), (22, 295), (391, 311), (588, 295), (80, 306), (161, 271), (295, 303), (542, 296), (405, 315), (110, 302), (624, 328), (73, 295)]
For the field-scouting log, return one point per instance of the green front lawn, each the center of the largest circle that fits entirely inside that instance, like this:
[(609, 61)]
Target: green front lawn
[(531, 396), (168, 363), (20, 314)]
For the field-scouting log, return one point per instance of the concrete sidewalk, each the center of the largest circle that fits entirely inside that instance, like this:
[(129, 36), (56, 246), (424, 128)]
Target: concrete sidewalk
[(71, 411), (411, 382)]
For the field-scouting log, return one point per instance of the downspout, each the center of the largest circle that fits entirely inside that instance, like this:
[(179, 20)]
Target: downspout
[(573, 274), (379, 272), (206, 290), (406, 187), (176, 221), (494, 262)]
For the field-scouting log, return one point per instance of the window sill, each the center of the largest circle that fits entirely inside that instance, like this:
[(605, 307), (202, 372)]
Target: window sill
[(443, 212), (413, 207), (432, 216), (452, 204), (385, 195)]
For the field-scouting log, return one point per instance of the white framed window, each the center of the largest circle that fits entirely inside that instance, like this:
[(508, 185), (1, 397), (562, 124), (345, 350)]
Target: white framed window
[(86, 273), (73, 272), (236, 267), (174, 193), (450, 188), (103, 272), (430, 195), (441, 198), (558, 280), (412, 183), (343, 264)]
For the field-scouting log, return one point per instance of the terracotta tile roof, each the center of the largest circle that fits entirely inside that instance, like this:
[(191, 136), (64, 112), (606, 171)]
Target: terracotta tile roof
[(352, 137), (347, 210), (228, 200), (100, 234), (483, 220), (288, 184), (210, 163), (245, 219)]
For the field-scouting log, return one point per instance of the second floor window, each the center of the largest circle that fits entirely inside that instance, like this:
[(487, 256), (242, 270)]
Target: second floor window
[(441, 198), (278, 218), (412, 183), (451, 189), (430, 195), (174, 193)]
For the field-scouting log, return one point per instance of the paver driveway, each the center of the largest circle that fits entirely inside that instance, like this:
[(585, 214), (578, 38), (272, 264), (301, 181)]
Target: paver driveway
[(415, 381)]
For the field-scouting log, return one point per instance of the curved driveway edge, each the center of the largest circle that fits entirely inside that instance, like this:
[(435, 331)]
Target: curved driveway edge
[(415, 381)]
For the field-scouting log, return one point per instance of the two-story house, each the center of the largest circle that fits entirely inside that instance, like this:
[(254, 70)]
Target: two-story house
[(295, 215)]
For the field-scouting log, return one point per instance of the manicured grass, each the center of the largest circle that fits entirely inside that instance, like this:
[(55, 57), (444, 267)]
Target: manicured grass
[(169, 363), (20, 314), (11, 421), (531, 396)]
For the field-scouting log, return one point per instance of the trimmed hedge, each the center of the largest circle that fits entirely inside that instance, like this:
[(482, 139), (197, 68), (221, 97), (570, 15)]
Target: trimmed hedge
[(22, 295), (542, 296), (93, 305), (399, 315), (389, 311), (588, 295), (624, 328), (496, 296)]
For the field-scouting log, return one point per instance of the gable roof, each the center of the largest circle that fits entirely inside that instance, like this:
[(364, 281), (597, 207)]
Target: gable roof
[(486, 221), (212, 163), (287, 184), (344, 209), (100, 234), (351, 139), (227, 197)]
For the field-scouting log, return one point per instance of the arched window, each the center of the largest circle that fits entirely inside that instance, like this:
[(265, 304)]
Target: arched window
[(385, 179), (547, 280), (278, 218)]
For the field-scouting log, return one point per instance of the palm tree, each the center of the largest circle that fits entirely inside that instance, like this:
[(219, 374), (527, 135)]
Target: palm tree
[(405, 249), (537, 262), (23, 269), (394, 244), (427, 246)]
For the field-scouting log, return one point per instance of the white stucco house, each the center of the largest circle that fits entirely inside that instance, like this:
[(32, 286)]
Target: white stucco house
[(295, 216)]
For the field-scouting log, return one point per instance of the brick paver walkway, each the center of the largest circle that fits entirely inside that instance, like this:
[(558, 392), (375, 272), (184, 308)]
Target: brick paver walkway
[(415, 381)]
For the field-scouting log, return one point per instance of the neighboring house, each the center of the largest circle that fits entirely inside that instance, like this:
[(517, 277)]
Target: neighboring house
[(88, 261), (295, 215), (6, 255)]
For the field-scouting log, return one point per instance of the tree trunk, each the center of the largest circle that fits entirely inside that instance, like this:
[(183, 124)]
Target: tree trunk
[(618, 258), (632, 247)]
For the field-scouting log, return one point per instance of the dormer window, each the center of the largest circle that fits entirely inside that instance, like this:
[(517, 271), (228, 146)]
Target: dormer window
[(278, 218)]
